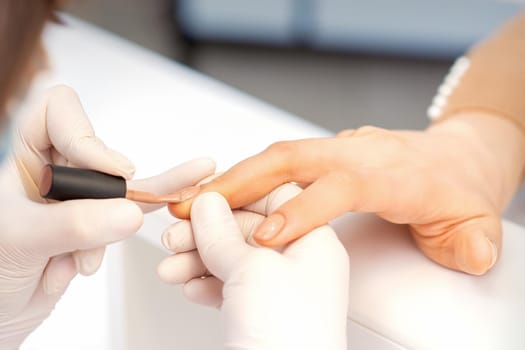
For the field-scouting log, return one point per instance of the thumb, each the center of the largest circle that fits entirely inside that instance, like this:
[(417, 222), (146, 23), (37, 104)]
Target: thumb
[(82, 224), (218, 238), (71, 134), (473, 247)]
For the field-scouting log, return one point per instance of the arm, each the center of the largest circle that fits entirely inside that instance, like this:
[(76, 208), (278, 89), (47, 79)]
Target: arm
[(489, 79)]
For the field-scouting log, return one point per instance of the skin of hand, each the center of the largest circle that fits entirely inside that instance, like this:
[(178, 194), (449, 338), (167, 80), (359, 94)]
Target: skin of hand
[(292, 298), (44, 244), (449, 183)]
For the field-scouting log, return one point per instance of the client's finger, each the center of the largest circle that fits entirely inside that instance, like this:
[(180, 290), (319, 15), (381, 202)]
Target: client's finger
[(253, 178), (173, 180), (268, 204), (324, 200)]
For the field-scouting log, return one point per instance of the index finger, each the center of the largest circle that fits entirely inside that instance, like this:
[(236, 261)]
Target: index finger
[(62, 127), (254, 177)]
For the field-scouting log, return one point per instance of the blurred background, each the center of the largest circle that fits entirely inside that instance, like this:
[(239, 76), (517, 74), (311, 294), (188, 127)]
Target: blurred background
[(338, 63)]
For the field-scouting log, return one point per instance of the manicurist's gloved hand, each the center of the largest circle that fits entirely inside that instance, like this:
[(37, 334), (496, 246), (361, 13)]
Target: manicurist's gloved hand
[(294, 298), (450, 183), (43, 245)]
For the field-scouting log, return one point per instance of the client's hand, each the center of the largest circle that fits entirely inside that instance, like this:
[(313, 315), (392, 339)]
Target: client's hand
[(294, 299), (450, 183)]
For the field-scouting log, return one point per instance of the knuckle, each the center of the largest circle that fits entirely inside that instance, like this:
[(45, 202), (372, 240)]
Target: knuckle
[(346, 133), (283, 155), (180, 210), (388, 141), (282, 148), (369, 130)]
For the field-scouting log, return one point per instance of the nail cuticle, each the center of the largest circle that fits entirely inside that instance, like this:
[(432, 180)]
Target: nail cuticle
[(270, 228)]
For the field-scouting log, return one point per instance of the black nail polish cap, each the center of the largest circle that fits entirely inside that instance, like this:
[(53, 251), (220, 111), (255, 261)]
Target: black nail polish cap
[(64, 183)]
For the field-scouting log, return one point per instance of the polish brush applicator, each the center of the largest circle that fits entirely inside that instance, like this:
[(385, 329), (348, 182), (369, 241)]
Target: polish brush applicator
[(65, 183)]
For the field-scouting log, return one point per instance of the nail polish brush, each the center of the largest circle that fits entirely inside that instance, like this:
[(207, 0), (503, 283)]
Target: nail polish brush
[(65, 183)]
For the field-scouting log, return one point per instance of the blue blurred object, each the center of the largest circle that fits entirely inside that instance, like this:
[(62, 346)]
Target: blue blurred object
[(429, 28)]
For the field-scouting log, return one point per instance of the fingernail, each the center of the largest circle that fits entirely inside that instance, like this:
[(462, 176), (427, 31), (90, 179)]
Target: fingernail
[(270, 227), (188, 193), (494, 253), (182, 195), (166, 239)]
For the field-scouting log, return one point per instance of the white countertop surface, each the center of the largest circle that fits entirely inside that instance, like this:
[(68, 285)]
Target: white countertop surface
[(160, 113)]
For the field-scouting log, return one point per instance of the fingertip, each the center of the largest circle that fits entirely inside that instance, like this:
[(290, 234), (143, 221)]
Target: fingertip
[(88, 262), (475, 253), (277, 230), (181, 210), (271, 243), (124, 166), (117, 219), (180, 268), (129, 215), (269, 230), (163, 271), (178, 238), (279, 241)]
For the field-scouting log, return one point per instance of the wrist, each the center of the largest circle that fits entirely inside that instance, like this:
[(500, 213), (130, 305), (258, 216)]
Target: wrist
[(496, 143)]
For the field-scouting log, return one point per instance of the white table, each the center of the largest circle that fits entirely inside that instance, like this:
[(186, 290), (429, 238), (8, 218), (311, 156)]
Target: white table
[(398, 298)]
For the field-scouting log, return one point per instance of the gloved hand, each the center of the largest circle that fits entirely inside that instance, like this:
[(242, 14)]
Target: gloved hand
[(450, 183), (43, 245), (295, 298)]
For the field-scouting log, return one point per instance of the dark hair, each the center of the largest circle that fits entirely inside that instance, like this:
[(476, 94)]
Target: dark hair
[(21, 25)]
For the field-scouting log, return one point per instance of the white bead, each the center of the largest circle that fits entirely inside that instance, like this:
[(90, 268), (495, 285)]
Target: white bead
[(456, 72), (445, 90), (434, 112), (439, 101)]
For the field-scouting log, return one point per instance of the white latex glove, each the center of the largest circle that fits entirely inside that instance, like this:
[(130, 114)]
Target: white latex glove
[(294, 299), (43, 245)]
